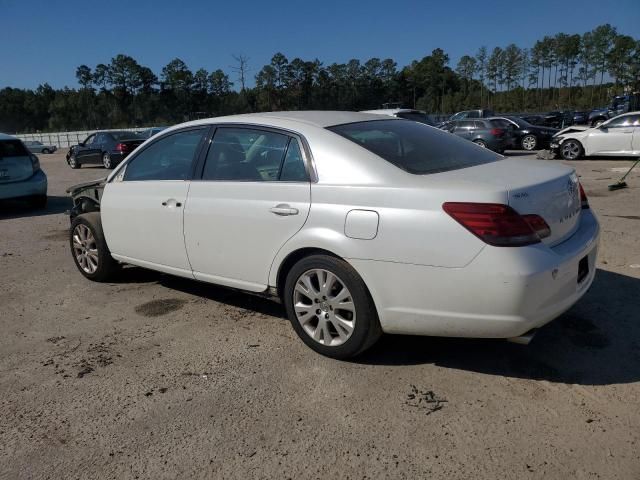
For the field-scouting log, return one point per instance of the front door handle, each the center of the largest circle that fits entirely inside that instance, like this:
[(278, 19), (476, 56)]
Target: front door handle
[(282, 209), (171, 203)]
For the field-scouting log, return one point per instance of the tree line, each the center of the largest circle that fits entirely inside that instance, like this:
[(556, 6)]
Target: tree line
[(558, 72)]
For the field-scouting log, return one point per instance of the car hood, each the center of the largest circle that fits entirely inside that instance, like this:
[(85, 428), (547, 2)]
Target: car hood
[(573, 129), (95, 184)]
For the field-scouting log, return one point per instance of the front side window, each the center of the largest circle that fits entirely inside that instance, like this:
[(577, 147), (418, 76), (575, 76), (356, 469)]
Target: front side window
[(623, 121), (169, 158), (245, 154), (415, 147)]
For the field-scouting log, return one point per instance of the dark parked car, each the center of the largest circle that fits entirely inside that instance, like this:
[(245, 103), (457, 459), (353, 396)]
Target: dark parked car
[(557, 119), (533, 119), (106, 148), (580, 118), (150, 132), (471, 114), (481, 132), (524, 135)]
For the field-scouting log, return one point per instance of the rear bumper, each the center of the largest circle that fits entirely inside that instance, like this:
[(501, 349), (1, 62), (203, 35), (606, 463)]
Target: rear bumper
[(36, 185), (502, 293)]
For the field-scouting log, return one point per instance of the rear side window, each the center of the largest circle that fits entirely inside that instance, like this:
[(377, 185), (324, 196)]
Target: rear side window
[(501, 124), (12, 148), (467, 124), (169, 158), (414, 147), (253, 155)]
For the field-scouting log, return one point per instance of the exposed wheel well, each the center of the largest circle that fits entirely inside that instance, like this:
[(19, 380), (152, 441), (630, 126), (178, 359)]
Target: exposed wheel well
[(292, 259)]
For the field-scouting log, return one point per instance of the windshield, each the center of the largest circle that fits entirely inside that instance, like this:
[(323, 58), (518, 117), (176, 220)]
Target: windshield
[(414, 147)]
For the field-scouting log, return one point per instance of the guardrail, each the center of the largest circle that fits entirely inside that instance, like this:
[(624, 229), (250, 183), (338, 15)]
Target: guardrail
[(65, 139)]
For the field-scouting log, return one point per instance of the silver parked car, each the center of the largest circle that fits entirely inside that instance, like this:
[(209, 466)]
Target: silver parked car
[(39, 147), (20, 173)]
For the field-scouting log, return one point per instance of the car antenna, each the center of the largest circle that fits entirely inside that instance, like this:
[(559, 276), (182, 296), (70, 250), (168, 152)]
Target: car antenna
[(620, 184)]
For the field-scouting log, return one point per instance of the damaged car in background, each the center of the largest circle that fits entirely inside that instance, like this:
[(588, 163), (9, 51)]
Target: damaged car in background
[(618, 137), (361, 224)]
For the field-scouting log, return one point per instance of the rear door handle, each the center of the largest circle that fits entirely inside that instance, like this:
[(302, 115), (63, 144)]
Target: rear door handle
[(282, 209), (171, 203)]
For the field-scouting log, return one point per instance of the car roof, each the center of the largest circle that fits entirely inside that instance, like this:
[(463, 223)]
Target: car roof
[(391, 111), (316, 118), (4, 136)]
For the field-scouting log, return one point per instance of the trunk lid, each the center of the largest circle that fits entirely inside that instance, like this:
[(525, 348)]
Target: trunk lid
[(15, 161), (128, 146), (536, 187)]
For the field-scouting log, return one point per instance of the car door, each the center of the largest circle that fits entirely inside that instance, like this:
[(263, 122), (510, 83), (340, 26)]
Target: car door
[(635, 143), (142, 207), (613, 137), (464, 129), (254, 195), (84, 151)]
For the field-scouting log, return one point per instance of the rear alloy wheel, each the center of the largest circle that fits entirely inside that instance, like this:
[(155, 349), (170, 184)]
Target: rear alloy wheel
[(571, 150), (529, 142), (89, 248), (106, 161), (73, 161), (330, 307), (480, 143)]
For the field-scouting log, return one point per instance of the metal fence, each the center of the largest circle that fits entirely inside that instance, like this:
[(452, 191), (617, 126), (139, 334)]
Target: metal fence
[(64, 139)]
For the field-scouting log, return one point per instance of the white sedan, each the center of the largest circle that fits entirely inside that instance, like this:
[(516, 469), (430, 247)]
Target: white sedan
[(618, 137), (361, 224)]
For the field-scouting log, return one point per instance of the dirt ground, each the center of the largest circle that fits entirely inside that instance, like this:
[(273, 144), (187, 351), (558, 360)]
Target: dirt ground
[(160, 377)]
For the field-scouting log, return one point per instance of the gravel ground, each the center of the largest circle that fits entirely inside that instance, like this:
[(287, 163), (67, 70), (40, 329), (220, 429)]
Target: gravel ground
[(160, 377)]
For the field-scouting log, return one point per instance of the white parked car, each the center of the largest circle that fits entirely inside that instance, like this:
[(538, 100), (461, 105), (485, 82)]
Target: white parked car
[(618, 137), (362, 224)]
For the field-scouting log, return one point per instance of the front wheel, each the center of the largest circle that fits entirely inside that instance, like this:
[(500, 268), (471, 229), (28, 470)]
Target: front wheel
[(46, 150), (529, 142), (73, 161), (571, 150), (89, 248), (480, 143), (330, 307)]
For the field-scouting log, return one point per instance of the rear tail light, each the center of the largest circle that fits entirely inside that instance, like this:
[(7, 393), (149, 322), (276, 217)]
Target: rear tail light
[(121, 147), (538, 225), (498, 225), (497, 132), (583, 197), (35, 163)]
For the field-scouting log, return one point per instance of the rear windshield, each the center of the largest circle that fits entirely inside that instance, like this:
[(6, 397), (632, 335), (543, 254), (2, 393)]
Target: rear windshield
[(12, 148), (126, 136), (415, 147), (415, 116)]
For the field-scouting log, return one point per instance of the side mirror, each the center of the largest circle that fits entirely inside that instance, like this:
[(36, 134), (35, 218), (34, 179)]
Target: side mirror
[(604, 128)]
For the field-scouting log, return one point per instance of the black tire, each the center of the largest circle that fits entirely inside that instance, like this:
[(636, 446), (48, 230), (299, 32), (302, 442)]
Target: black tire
[(73, 161), (106, 161), (480, 143), (571, 150), (529, 142), (46, 150), (366, 330), (107, 267), (38, 202)]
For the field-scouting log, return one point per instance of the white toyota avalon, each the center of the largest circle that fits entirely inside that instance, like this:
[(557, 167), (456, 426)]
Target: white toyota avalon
[(361, 224)]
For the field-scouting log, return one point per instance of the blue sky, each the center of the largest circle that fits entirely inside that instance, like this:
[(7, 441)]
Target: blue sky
[(45, 40)]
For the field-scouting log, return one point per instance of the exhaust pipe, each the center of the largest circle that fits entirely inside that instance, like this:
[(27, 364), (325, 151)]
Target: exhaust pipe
[(524, 339)]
